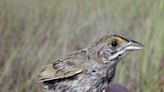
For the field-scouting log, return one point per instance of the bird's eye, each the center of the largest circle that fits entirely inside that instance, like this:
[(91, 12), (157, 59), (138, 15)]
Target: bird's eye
[(114, 43)]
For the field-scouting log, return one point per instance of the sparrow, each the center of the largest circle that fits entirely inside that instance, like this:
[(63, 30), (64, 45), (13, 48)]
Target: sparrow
[(90, 69)]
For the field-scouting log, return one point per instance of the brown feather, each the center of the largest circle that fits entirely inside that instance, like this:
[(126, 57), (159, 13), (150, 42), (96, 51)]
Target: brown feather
[(61, 69)]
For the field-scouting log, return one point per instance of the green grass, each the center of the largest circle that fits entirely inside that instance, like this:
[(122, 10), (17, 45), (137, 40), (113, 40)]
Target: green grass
[(34, 32)]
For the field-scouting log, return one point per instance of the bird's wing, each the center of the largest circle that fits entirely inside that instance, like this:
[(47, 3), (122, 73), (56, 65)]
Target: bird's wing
[(62, 68)]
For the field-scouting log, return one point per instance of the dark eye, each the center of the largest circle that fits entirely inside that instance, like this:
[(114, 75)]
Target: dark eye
[(114, 43)]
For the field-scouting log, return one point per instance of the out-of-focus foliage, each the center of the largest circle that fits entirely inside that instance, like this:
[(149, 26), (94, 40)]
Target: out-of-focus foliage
[(34, 32)]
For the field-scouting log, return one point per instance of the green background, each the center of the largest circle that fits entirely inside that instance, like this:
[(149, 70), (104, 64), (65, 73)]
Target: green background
[(34, 32)]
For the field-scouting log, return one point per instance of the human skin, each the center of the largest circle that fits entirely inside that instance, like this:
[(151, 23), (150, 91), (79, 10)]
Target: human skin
[(116, 88)]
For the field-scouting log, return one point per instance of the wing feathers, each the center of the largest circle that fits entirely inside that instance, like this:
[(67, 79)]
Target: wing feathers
[(61, 69)]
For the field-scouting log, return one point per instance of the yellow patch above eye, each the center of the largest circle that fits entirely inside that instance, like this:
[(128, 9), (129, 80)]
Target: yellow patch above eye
[(121, 40)]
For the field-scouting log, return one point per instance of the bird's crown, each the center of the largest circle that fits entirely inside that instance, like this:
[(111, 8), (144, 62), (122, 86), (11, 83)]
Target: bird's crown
[(108, 39)]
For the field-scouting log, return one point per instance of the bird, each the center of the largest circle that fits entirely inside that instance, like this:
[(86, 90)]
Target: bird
[(91, 69)]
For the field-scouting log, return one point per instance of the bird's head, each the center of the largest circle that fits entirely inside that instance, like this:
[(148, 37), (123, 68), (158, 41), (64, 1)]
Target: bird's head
[(114, 47)]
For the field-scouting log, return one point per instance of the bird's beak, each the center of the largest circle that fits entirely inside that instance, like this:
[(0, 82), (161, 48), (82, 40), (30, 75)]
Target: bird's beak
[(134, 45)]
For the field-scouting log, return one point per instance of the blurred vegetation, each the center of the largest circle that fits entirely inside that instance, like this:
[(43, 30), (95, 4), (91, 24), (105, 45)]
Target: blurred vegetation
[(34, 32)]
